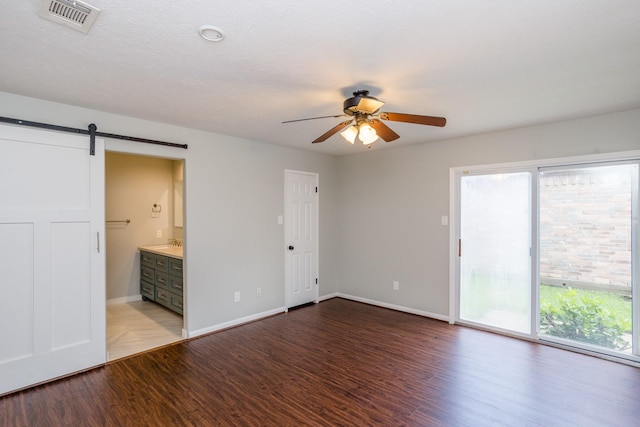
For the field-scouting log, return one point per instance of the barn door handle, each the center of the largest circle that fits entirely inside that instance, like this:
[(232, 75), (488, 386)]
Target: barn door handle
[(290, 248)]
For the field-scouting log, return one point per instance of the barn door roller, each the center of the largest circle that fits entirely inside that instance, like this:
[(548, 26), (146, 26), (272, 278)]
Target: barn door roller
[(92, 139)]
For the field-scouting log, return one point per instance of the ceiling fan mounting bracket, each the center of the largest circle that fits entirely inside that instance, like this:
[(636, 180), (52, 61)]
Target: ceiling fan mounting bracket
[(361, 93)]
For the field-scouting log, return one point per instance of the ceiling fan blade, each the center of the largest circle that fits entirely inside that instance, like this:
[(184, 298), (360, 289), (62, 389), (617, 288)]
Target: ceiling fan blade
[(383, 131), (414, 118), (314, 118), (337, 128)]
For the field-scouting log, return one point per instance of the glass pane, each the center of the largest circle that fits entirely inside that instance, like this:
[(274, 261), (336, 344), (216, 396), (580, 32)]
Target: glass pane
[(585, 255), (495, 266)]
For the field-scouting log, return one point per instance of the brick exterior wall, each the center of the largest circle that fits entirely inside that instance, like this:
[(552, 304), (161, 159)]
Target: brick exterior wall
[(585, 229)]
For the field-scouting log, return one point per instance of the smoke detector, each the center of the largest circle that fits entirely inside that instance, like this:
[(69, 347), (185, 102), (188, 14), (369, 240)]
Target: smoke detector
[(77, 15)]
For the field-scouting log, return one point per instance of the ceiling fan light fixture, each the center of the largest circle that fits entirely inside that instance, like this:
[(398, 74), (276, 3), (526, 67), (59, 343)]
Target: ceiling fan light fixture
[(369, 105), (367, 134), (366, 122), (350, 134)]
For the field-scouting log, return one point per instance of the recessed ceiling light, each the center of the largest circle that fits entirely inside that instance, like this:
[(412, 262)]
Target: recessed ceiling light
[(211, 33)]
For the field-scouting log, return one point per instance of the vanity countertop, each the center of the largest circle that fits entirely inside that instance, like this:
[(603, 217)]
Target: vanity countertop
[(167, 250)]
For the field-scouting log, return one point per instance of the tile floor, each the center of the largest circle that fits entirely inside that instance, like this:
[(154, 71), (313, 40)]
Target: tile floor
[(139, 326)]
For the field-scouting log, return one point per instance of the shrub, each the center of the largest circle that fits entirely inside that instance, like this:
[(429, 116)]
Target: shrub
[(583, 318)]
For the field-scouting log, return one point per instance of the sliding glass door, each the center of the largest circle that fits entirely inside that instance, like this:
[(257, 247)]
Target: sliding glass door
[(587, 227), (494, 249), (551, 253)]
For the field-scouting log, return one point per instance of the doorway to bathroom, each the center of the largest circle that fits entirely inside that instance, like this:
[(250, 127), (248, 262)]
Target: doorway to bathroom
[(143, 209)]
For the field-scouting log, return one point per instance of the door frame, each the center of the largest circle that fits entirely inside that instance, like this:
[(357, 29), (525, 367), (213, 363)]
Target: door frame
[(315, 229), (456, 173), (167, 153)]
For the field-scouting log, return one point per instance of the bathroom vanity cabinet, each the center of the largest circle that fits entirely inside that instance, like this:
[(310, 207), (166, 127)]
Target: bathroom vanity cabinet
[(161, 278)]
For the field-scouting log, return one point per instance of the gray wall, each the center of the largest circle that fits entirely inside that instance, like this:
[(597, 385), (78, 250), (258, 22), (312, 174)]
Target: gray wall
[(391, 203), (234, 192), (380, 211)]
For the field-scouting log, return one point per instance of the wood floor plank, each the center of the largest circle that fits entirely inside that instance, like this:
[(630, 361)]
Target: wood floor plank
[(340, 363)]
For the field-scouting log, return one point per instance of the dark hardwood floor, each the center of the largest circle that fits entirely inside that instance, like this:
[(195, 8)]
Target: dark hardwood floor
[(340, 363)]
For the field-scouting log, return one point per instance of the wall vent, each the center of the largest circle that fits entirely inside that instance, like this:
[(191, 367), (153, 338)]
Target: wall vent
[(77, 15)]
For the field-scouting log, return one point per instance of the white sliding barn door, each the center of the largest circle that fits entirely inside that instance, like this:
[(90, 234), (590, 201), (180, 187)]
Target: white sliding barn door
[(52, 285)]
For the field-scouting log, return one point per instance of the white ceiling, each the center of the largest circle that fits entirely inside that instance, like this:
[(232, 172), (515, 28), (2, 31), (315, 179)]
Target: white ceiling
[(484, 65)]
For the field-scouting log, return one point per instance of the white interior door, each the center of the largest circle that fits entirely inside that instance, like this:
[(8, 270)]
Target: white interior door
[(301, 237), (52, 304)]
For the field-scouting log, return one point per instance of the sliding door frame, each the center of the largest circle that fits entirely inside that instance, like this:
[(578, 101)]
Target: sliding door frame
[(455, 176)]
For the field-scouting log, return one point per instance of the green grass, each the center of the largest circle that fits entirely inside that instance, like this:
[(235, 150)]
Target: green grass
[(594, 317), (613, 303)]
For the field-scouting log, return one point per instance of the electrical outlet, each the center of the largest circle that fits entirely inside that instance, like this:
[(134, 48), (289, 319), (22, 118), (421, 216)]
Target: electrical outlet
[(236, 296), (396, 285), (258, 292), (159, 234)]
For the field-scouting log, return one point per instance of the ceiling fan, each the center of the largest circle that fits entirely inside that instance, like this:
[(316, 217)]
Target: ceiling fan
[(365, 122)]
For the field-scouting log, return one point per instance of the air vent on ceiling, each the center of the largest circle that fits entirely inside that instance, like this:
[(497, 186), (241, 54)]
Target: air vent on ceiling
[(73, 14)]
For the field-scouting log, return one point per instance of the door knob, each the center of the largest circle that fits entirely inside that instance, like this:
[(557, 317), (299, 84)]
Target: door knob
[(290, 248)]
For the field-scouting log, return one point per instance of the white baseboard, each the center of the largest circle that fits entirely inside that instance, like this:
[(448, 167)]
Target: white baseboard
[(329, 296), (258, 316), (394, 307), (124, 300), (235, 322)]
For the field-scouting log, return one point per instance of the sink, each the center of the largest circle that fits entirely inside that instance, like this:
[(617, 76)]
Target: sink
[(167, 250)]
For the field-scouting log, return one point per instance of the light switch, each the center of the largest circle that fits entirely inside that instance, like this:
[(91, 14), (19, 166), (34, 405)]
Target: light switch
[(280, 220), (445, 220)]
